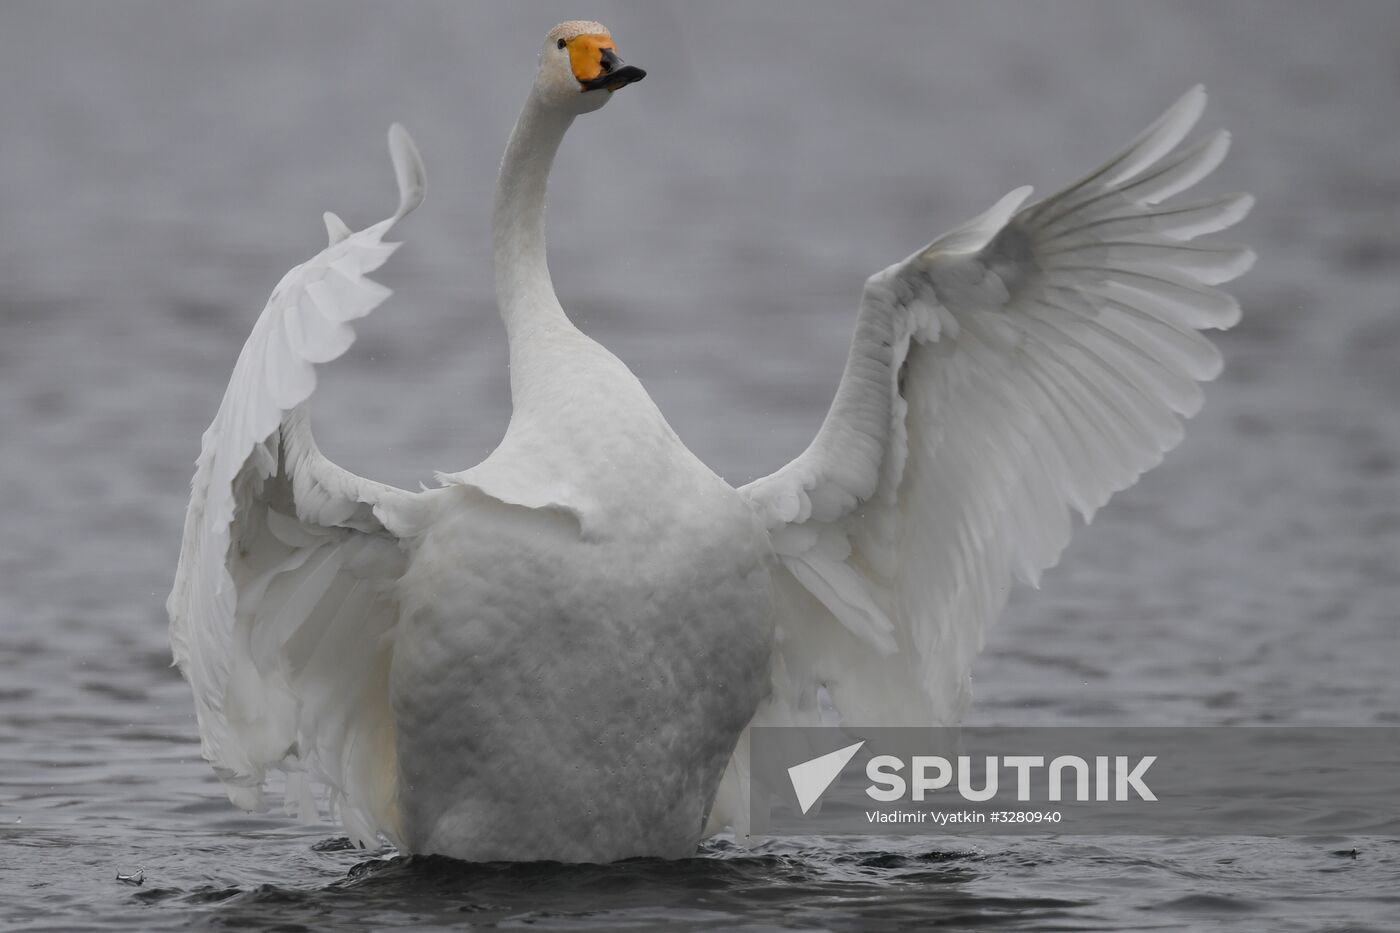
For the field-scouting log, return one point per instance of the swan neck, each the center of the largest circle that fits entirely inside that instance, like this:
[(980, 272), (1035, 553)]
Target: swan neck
[(523, 287)]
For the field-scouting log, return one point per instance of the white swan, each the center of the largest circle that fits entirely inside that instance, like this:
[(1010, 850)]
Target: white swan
[(554, 654)]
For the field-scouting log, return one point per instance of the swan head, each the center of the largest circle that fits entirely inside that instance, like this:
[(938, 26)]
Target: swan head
[(580, 68)]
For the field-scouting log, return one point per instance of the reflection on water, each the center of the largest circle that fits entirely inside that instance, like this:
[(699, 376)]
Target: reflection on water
[(164, 164)]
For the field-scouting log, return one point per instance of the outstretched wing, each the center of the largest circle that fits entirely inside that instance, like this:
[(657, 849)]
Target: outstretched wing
[(282, 614), (1029, 362)]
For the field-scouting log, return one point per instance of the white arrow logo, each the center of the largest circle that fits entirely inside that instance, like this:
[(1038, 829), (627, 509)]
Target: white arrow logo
[(811, 778)]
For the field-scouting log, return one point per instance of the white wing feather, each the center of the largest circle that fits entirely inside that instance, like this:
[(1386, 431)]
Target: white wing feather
[(282, 613), (1027, 363)]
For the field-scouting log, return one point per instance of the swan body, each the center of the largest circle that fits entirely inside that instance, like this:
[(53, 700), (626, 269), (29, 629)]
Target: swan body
[(577, 697), (555, 653)]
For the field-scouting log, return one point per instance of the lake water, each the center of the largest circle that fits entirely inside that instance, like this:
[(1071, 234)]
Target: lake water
[(164, 163)]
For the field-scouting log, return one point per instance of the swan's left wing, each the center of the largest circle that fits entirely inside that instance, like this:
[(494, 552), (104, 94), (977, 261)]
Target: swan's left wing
[(282, 613), (1029, 362)]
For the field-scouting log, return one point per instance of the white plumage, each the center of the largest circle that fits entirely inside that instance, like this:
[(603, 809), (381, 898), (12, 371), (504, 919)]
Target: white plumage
[(1030, 362), (591, 603), (287, 559)]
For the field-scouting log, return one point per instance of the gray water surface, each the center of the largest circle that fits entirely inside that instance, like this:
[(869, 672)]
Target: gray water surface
[(162, 164)]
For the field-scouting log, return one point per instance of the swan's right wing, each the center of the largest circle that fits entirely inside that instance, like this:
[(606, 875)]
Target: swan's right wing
[(282, 614)]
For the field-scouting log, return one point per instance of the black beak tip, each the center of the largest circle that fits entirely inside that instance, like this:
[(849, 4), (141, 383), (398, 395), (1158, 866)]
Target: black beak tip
[(627, 74), (617, 75)]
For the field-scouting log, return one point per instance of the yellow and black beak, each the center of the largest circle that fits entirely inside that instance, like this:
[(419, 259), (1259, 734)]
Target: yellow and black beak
[(596, 65)]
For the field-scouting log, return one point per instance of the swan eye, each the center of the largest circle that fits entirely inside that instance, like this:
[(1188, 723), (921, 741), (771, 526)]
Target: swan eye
[(561, 43)]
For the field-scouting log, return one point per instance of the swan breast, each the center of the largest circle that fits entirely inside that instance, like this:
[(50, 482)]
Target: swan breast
[(562, 696)]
